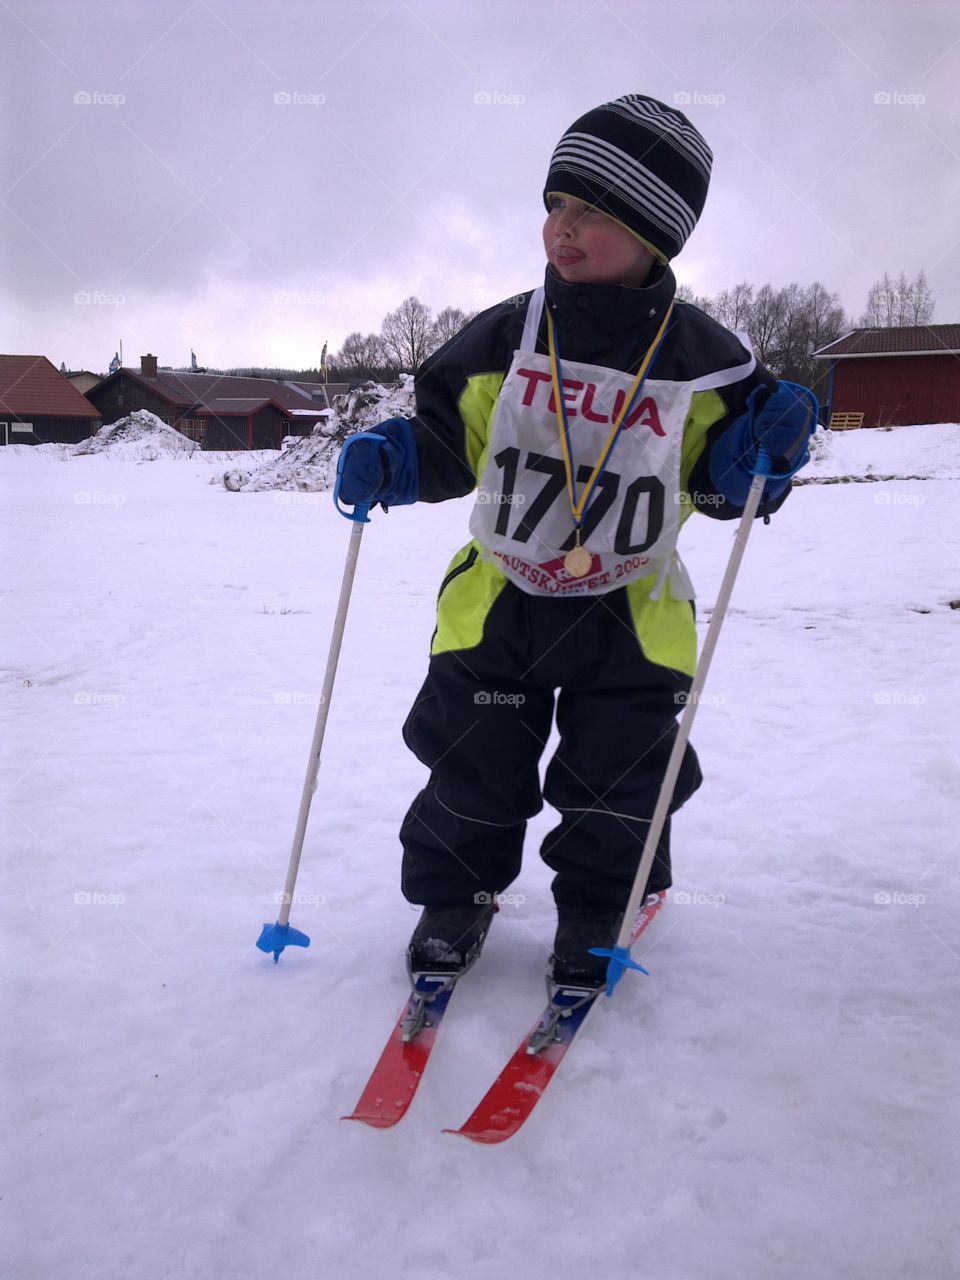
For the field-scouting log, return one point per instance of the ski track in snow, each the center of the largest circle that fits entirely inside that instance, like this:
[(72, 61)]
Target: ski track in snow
[(778, 1098)]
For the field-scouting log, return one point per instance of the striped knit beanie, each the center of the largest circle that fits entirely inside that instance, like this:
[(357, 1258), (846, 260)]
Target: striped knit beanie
[(639, 161)]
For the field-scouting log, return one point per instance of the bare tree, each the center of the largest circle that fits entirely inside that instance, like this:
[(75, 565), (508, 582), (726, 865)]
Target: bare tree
[(826, 317), (902, 300), (895, 303), (765, 319), (787, 347), (921, 311), (362, 356), (685, 293), (732, 307), (808, 318), (406, 333), (447, 325), (785, 325), (875, 315)]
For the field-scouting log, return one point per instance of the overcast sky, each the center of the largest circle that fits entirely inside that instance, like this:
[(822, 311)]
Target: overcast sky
[(248, 179)]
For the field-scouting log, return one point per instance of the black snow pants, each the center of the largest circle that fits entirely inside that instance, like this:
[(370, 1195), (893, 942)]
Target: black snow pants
[(480, 724)]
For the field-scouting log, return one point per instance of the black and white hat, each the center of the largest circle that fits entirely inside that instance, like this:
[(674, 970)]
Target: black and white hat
[(640, 161)]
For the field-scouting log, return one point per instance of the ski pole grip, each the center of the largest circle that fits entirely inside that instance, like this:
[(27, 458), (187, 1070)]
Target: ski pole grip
[(361, 511), (764, 465)]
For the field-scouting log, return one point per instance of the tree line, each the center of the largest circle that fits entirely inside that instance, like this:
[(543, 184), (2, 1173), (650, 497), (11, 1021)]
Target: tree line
[(407, 336), (785, 325)]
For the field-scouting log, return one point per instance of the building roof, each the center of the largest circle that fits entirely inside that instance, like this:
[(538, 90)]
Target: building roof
[(220, 406), (30, 386), (915, 340), (200, 391)]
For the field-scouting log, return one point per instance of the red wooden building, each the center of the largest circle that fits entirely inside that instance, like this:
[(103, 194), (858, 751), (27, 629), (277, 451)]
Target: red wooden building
[(893, 377), (38, 404), (220, 411)]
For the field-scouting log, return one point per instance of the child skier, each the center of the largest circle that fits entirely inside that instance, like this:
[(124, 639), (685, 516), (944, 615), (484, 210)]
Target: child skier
[(592, 416)]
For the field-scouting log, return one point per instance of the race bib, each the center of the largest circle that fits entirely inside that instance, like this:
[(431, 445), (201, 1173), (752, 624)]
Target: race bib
[(522, 514)]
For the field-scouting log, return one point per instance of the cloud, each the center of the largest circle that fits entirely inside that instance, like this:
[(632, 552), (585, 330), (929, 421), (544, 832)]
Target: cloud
[(364, 153)]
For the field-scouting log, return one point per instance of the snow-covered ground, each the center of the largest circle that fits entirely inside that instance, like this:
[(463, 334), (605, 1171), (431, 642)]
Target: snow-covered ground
[(778, 1098), (928, 451)]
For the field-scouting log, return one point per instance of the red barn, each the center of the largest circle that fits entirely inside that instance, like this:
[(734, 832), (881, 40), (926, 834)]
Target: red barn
[(893, 377)]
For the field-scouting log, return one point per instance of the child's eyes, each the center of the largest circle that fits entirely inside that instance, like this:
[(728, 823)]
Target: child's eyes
[(577, 207)]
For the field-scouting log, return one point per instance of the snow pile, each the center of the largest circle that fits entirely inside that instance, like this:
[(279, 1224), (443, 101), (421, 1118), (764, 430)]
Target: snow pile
[(139, 437), (57, 450), (310, 464), (927, 452), (371, 402)]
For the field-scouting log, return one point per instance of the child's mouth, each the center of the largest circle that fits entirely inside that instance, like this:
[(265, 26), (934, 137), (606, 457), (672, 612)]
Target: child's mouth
[(567, 257)]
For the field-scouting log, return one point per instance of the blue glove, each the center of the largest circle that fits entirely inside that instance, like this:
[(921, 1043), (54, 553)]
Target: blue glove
[(781, 420), (380, 466)]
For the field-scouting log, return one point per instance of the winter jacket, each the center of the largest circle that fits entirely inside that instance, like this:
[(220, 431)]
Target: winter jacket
[(610, 325)]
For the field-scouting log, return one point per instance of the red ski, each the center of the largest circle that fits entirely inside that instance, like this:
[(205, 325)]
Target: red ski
[(395, 1078), (516, 1091)]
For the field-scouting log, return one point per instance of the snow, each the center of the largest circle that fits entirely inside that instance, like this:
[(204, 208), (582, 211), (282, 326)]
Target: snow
[(140, 435), (928, 451), (777, 1099), (310, 464)]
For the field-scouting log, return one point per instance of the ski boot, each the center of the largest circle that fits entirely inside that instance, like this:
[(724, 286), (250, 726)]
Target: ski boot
[(449, 939), (581, 926)]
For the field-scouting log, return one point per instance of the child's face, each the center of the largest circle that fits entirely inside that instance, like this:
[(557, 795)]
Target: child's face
[(585, 246)]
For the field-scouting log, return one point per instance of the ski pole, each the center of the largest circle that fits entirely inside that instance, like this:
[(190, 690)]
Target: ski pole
[(619, 954), (274, 937)]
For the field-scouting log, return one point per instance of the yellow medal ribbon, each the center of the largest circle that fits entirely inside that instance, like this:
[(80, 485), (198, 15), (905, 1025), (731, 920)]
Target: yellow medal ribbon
[(579, 564)]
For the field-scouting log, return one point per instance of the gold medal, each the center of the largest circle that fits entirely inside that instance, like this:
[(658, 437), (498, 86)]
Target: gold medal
[(578, 562)]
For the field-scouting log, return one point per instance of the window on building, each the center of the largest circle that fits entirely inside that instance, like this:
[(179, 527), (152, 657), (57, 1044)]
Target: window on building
[(192, 428)]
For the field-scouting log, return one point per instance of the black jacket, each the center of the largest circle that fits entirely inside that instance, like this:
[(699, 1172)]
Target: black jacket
[(603, 324)]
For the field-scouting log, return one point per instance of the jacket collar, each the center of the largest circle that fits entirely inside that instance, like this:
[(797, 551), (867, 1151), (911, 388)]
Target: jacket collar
[(601, 323)]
